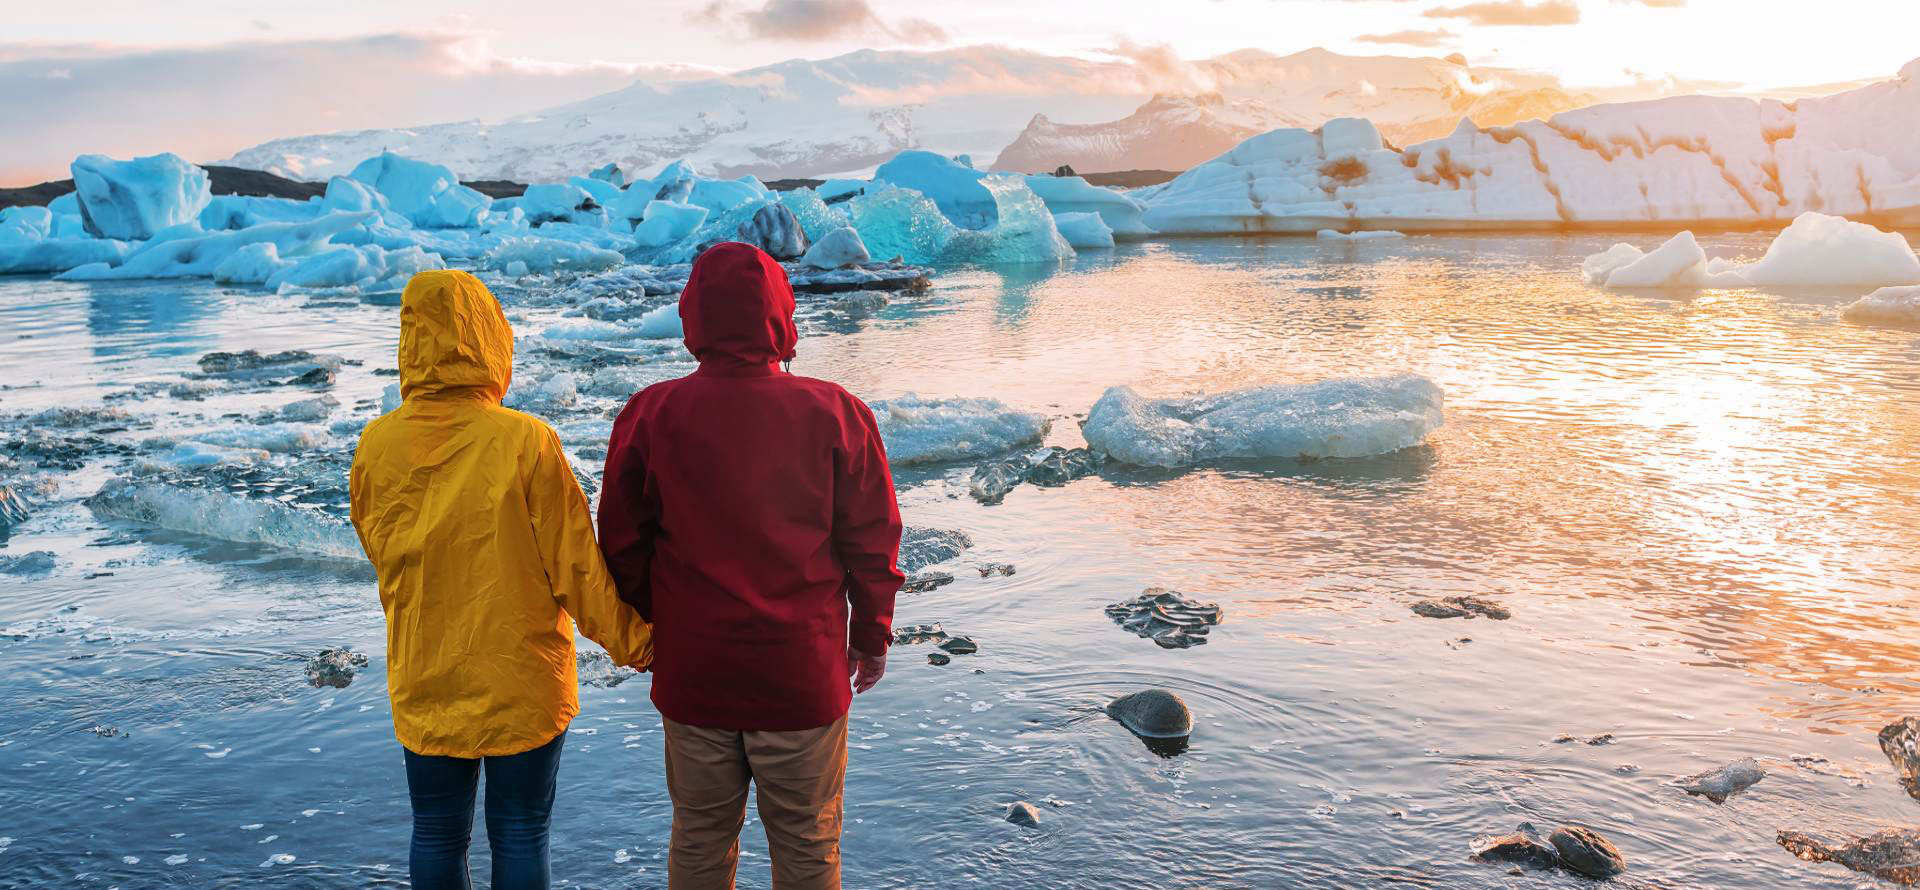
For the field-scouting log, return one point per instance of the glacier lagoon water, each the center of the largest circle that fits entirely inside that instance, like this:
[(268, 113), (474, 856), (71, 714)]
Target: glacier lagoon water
[(1700, 509)]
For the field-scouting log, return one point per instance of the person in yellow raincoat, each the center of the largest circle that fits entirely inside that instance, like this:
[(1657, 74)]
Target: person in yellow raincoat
[(486, 558)]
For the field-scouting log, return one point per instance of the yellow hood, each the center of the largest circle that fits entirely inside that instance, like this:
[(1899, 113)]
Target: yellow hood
[(454, 340)]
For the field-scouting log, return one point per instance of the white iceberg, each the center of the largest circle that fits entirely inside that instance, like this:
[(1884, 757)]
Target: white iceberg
[(665, 222), (547, 255), (427, 194), (198, 257), (1331, 418), (1815, 251), (60, 255), (662, 323), (953, 187), (1073, 194), (1084, 230), (132, 200), (279, 438), (839, 247), (364, 266), (936, 430), (1888, 307), (252, 264)]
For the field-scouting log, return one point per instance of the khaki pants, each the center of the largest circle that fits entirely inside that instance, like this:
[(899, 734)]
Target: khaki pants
[(798, 778)]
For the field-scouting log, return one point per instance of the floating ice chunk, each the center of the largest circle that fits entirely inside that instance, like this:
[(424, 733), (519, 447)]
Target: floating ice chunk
[(390, 398), (555, 392), (60, 255), (722, 195), (365, 266), (1025, 232), (665, 222), (1332, 418), (954, 187), (833, 191), (1818, 249), (216, 514), (202, 454), (895, 221), (1366, 235), (609, 173), (775, 230), (1084, 230), (546, 255), (349, 194), (132, 200), (816, 218), (1678, 263), (839, 247), (602, 191), (902, 222), (199, 257), (1597, 267), (427, 194), (1888, 306), (277, 437), (548, 202), (1073, 194), (586, 329), (662, 323), (24, 225), (918, 430)]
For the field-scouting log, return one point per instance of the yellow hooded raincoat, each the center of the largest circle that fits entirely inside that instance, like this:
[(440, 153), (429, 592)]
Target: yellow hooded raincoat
[(482, 540)]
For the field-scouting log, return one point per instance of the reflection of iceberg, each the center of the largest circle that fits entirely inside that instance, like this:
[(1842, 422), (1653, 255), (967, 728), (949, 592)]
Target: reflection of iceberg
[(918, 430), (1331, 418), (902, 222)]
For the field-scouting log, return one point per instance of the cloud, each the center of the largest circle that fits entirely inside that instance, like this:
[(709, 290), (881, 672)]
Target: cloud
[(64, 100), (1661, 4), (816, 21), (1511, 12), (1409, 38)]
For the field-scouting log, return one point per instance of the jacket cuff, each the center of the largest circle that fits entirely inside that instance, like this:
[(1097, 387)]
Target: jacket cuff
[(870, 640)]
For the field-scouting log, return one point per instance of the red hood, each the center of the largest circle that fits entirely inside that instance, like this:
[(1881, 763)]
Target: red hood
[(737, 309)]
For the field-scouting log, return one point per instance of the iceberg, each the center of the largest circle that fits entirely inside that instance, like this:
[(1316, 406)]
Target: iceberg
[(816, 218), (1073, 194), (954, 187), (775, 230), (665, 222), (252, 264), (198, 257), (1815, 251), (546, 256), (1084, 230), (217, 514), (662, 323), (1331, 418), (901, 222), (279, 438), (550, 202), (25, 224), (722, 195), (837, 248), (61, 255), (1897, 307), (228, 212), (428, 195), (603, 192), (133, 200), (365, 266), (919, 431), (895, 221)]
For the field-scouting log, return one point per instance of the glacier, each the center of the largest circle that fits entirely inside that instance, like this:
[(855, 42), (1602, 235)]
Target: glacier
[(1680, 161), (1332, 418), (939, 430)]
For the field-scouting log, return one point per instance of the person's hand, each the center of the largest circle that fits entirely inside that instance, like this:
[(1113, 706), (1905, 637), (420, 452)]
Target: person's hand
[(865, 670)]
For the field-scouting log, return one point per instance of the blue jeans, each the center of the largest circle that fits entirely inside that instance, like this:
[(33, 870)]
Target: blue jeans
[(519, 810)]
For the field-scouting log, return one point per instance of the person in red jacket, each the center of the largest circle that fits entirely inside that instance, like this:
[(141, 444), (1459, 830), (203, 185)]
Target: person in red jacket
[(750, 515)]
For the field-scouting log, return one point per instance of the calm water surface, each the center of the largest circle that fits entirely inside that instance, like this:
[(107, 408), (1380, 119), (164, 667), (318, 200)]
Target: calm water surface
[(1701, 509)]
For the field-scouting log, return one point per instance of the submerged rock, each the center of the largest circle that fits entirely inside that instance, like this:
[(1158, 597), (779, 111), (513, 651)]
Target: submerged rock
[(1892, 854), (1901, 743), (1524, 847), (922, 547), (1063, 465), (925, 581), (938, 658), (13, 511), (1584, 851), (1166, 617), (334, 667), (1605, 738), (777, 231), (1719, 784), (959, 646), (1461, 607), (1023, 814), (1153, 714)]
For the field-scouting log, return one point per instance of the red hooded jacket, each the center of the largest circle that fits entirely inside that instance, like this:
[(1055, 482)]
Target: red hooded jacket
[(749, 513)]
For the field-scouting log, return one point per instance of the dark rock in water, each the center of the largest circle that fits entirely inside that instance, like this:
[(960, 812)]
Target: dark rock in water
[(13, 511), (922, 547), (1063, 465), (1719, 784), (777, 231), (988, 570), (39, 562), (1524, 847), (1584, 851), (1023, 814), (334, 667), (1153, 714), (959, 646), (938, 658), (1460, 607), (1901, 743), (1064, 170), (925, 581), (1166, 617), (1605, 738), (1892, 854), (315, 377)]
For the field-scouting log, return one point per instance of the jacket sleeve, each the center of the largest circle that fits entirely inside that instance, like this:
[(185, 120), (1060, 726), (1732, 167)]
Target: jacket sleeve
[(866, 530), (629, 519), (563, 529)]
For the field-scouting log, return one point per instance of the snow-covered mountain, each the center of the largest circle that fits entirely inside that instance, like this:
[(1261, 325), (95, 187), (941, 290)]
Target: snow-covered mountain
[(1408, 99), (849, 113)]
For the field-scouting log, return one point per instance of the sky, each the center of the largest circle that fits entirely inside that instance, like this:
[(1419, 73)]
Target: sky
[(206, 78)]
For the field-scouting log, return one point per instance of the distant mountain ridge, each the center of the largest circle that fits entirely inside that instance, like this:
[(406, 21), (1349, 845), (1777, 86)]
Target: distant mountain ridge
[(811, 118)]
